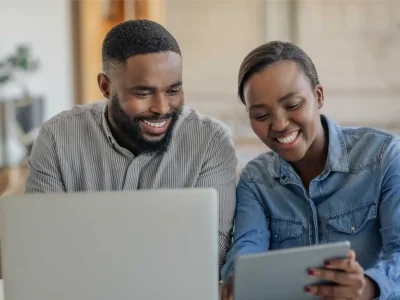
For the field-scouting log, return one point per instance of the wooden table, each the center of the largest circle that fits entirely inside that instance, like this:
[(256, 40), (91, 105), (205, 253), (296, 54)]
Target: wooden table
[(12, 181)]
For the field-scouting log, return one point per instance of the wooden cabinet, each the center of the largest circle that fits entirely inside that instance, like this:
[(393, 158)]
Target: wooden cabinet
[(91, 20)]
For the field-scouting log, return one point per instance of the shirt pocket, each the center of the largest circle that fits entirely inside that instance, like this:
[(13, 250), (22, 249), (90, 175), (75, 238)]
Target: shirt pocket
[(285, 233), (354, 222)]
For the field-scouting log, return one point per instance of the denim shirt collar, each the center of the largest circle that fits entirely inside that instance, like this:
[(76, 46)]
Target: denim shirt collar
[(337, 160)]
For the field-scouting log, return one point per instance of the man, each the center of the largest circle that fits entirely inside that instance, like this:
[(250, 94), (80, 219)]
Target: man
[(142, 136)]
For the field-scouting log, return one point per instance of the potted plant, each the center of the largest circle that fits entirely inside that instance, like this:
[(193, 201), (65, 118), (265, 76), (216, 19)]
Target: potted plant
[(21, 113)]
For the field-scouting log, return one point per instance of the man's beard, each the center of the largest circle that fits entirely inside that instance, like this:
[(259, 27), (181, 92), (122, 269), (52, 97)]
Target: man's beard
[(130, 128)]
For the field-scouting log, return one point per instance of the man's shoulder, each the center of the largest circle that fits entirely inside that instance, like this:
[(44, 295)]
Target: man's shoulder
[(195, 121), (204, 135), (75, 117), (208, 144)]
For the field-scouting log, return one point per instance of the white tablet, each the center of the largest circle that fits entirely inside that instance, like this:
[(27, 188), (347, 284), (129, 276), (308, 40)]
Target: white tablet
[(282, 274)]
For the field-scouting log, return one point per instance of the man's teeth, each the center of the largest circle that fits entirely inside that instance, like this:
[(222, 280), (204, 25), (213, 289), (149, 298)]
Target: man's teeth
[(161, 124), (288, 139)]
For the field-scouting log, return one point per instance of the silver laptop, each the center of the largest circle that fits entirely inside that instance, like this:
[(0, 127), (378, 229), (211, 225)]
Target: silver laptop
[(154, 244)]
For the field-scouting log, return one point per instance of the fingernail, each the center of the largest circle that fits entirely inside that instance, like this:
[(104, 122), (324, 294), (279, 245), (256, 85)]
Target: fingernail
[(307, 290), (327, 263), (311, 272)]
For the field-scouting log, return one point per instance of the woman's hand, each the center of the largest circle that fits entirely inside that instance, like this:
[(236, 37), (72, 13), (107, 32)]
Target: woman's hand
[(227, 289), (348, 274)]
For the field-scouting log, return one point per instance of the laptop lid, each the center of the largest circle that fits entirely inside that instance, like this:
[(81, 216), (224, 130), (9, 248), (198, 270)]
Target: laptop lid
[(149, 244)]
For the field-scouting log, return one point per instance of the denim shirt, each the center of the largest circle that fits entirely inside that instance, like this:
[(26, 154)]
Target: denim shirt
[(355, 198)]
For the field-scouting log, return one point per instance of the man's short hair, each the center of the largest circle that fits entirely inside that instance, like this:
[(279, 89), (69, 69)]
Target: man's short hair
[(133, 38)]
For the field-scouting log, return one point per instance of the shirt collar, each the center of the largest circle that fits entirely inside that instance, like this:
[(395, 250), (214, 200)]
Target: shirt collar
[(105, 125), (337, 160)]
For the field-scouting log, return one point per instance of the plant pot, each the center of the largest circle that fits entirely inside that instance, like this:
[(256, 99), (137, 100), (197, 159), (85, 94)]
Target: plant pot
[(12, 152), (20, 120)]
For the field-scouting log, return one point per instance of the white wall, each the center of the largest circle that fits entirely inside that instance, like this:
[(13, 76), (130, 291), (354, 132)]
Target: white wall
[(354, 44), (362, 85), (214, 36), (45, 25)]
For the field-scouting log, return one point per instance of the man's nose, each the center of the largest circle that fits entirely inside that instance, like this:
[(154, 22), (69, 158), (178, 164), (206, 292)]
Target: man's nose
[(160, 104)]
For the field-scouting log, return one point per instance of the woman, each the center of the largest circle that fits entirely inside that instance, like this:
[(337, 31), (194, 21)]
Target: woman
[(321, 183)]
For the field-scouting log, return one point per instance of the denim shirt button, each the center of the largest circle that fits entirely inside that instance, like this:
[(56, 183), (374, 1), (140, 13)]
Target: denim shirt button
[(352, 228), (276, 236)]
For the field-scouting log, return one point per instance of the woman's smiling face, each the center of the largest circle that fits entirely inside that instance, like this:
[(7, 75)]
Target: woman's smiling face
[(284, 108)]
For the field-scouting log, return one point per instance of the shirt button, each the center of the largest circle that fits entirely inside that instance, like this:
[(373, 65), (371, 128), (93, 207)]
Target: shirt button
[(352, 228), (276, 236)]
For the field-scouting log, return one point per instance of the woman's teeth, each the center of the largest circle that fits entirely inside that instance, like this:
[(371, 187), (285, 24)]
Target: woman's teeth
[(289, 139), (161, 124)]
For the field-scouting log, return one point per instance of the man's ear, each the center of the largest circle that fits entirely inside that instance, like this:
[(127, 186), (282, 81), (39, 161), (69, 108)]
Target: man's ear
[(319, 91), (104, 84)]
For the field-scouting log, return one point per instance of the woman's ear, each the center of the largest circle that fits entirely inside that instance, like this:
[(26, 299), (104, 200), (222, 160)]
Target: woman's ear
[(319, 92)]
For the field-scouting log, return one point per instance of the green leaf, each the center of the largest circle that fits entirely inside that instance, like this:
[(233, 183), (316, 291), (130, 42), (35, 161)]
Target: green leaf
[(12, 60), (23, 63), (21, 59), (5, 78), (23, 50)]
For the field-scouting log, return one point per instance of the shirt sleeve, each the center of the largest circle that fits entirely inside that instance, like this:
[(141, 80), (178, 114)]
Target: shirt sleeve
[(44, 172), (219, 171), (251, 234), (386, 273)]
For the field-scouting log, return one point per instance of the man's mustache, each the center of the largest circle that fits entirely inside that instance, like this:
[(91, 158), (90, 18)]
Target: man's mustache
[(156, 117)]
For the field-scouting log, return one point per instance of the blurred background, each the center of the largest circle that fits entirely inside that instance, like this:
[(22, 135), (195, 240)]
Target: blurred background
[(50, 54)]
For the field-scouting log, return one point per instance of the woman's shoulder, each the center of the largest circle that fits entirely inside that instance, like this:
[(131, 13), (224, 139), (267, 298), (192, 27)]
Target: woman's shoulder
[(367, 146), (365, 132)]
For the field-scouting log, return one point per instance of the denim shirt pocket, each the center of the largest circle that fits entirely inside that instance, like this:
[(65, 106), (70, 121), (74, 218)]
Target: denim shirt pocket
[(285, 233), (352, 222)]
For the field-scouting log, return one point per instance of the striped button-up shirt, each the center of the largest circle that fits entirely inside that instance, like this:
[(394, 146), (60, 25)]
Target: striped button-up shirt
[(75, 151)]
